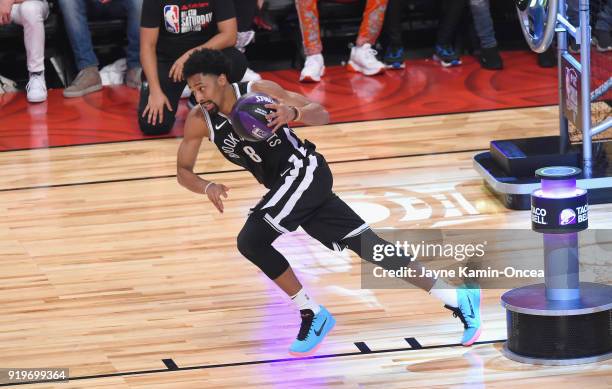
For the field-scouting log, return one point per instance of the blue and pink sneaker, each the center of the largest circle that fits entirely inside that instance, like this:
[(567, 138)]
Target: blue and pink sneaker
[(468, 311), (312, 332)]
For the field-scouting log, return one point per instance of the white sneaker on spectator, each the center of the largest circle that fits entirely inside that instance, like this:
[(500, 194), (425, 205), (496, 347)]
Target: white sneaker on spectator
[(363, 60), (36, 88), (250, 75), (7, 85), (314, 69)]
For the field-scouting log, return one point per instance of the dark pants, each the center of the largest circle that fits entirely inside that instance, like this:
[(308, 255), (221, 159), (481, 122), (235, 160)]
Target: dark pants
[(393, 23), (173, 91), (450, 19), (245, 12)]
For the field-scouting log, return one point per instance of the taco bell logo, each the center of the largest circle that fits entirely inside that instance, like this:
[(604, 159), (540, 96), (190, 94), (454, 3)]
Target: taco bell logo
[(171, 16), (567, 216)]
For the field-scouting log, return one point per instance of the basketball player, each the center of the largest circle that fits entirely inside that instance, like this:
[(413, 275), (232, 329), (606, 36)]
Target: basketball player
[(300, 192)]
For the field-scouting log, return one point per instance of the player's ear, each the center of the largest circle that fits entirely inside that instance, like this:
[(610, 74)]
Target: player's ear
[(222, 79)]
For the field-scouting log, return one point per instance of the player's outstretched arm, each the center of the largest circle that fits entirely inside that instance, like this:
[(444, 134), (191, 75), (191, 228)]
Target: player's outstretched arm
[(292, 106), (195, 131)]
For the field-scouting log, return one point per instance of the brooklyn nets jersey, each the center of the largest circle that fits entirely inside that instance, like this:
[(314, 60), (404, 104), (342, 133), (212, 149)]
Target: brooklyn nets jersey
[(266, 160)]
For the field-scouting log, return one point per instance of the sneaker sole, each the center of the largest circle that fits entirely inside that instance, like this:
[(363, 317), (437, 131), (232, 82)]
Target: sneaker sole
[(37, 100), (353, 67), (447, 64), (395, 66), (600, 48), (83, 92), (474, 338), (315, 348), (310, 79)]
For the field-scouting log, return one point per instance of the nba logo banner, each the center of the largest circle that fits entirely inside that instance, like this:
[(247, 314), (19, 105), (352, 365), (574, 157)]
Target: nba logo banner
[(171, 16)]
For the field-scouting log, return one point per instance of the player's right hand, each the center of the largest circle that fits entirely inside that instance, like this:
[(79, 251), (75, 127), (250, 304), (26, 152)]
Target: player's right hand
[(214, 193)]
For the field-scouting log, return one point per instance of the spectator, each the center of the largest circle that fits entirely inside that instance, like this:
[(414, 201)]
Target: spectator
[(603, 25), (394, 54), (363, 57), (489, 52), (31, 14), (483, 23), (170, 31), (452, 14), (76, 13), (245, 14), (602, 37)]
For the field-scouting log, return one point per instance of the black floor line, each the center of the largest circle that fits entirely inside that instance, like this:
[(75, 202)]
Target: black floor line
[(260, 362), (363, 348), (226, 171), (299, 126), (170, 364), (413, 343)]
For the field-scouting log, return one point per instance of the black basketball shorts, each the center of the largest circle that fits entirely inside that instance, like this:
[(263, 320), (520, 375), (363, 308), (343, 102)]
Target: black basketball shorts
[(303, 197)]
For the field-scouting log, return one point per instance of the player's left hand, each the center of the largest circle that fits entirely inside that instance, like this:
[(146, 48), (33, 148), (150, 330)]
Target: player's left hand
[(282, 114), (176, 71)]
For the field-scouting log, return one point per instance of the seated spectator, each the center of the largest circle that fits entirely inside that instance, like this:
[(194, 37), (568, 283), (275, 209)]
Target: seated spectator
[(394, 54), (452, 13), (363, 57), (245, 14), (31, 14), (76, 13), (170, 32)]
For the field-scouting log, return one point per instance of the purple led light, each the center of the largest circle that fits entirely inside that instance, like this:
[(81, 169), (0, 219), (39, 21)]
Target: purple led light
[(559, 188), (553, 186), (559, 194)]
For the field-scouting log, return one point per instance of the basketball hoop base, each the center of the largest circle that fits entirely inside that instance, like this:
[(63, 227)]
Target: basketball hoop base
[(514, 191), (545, 332)]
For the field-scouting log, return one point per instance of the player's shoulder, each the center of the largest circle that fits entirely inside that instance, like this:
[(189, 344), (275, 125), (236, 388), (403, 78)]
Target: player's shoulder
[(263, 86), (195, 123)]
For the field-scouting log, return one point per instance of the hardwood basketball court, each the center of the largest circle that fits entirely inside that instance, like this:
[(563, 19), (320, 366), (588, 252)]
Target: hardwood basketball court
[(112, 269)]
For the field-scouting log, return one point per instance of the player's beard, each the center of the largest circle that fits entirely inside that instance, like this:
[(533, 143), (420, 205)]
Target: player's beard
[(210, 106)]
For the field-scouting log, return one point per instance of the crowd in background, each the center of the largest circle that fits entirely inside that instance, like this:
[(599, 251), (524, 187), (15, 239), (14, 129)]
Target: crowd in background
[(162, 34)]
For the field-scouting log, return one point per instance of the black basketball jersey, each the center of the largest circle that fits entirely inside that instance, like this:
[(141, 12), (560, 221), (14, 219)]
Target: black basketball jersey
[(266, 160)]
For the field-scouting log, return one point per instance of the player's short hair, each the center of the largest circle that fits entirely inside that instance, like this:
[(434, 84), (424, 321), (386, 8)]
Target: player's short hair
[(206, 61)]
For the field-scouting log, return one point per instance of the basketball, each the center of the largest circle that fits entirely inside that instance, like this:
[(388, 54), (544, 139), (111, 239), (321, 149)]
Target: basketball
[(249, 117)]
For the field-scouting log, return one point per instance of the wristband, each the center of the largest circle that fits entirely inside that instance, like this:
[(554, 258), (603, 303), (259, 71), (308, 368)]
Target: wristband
[(297, 112), (206, 188)]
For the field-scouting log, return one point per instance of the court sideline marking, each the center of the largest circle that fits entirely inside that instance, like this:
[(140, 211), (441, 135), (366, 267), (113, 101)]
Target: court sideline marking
[(228, 171), (172, 367)]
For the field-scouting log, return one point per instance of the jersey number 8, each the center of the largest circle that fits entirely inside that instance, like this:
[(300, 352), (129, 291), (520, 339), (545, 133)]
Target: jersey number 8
[(251, 153)]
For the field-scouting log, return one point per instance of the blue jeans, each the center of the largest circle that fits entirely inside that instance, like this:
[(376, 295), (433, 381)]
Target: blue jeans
[(483, 23), (604, 17), (603, 20), (75, 13)]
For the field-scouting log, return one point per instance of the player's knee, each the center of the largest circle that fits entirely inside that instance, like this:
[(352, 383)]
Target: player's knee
[(258, 249), (157, 129), (248, 245), (32, 11)]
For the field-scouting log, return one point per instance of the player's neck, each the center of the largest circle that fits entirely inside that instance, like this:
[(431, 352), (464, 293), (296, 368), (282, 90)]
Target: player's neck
[(229, 98)]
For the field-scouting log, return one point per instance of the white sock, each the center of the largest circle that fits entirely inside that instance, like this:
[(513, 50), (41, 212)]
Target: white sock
[(444, 292), (303, 301)]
